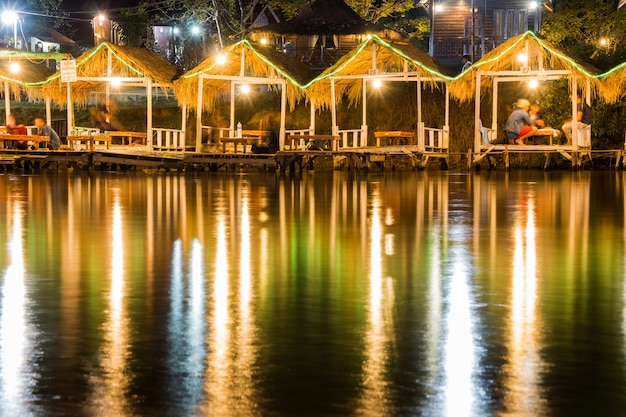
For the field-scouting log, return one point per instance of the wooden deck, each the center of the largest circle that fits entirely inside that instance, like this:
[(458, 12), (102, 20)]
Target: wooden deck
[(575, 155), (366, 158)]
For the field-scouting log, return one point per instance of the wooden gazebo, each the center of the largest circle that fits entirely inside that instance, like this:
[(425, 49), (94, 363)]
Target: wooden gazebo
[(377, 61), (110, 66), (524, 58), (21, 71), (241, 64)]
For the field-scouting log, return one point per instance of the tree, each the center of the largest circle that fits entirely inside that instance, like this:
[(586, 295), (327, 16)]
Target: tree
[(590, 31)]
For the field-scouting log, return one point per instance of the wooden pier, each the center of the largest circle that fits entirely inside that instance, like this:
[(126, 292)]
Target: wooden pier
[(358, 159)]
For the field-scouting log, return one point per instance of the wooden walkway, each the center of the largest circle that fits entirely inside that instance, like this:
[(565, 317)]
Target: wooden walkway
[(360, 159)]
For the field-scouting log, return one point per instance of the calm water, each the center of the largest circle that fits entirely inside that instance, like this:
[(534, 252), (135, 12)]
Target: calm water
[(409, 294)]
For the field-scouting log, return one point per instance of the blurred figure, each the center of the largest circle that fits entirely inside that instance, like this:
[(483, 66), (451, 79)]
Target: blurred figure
[(466, 61), (519, 126), (44, 130), (583, 118), (15, 128), (535, 116)]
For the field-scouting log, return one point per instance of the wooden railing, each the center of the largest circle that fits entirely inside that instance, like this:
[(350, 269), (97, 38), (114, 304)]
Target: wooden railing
[(353, 138), (168, 139), (431, 139)]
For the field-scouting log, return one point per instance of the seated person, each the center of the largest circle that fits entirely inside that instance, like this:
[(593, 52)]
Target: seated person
[(535, 116), (14, 128), (519, 126), (583, 118), (44, 130)]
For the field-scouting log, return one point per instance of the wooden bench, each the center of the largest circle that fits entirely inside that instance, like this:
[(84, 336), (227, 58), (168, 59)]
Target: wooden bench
[(248, 137), (246, 140), (89, 140), (22, 138), (393, 134), (315, 140), (129, 136)]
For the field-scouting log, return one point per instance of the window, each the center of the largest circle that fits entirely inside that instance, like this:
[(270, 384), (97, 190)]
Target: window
[(498, 24), (508, 23), (468, 26)]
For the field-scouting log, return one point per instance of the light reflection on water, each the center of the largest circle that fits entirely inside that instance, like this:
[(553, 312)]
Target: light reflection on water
[(394, 294), (14, 344), (111, 381)]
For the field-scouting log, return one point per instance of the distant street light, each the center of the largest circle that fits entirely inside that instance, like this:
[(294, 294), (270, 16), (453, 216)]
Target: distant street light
[(10, 17), (195, 30), (604, 42)]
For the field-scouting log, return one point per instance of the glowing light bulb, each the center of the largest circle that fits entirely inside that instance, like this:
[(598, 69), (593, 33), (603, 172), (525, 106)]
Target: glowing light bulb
[(245, 89), (263, 41), (14, 67), (533, 83), (522, 57), (221, 59), (377, 83), (115, 82)]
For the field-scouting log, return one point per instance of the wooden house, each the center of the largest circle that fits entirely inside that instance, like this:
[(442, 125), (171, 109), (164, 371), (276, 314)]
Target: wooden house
[(321, 33), (475, 27)]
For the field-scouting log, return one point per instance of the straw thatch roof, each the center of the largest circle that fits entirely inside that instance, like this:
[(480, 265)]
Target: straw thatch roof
[(29, 71), (540, 55), (324, 17), (390, 59), (259, 62), (613, 85), (126, 62)]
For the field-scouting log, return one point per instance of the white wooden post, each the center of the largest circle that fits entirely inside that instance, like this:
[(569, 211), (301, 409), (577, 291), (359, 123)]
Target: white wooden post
[(312, 118), (183, 121), (283, 111), (69, 110), (232, 109), (333, 109), (48, 112), (420, 127), (574, 113), (494, 110), (149, 113), (199, 114), (7, 101), (362, 141), (446, 115), (477, 114)]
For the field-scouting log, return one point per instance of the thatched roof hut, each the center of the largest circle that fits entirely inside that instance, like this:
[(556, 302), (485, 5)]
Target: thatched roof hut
[(389, 59), (613, 87), (107, 65), (527, 54), (241, 63), (108, 62), (28, 72), (375, 61)]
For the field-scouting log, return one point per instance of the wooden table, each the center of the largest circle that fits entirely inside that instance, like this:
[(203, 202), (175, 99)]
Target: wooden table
[(129, 136), (90, 140), (546, 131), (22, 138), (393, 134), (313, 138)]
